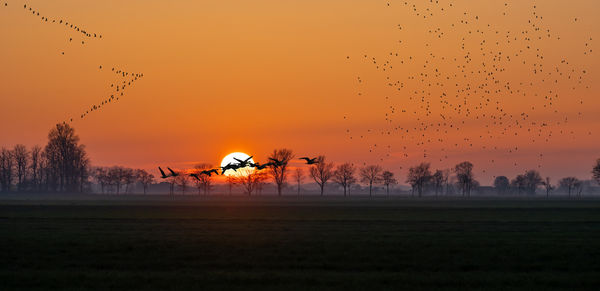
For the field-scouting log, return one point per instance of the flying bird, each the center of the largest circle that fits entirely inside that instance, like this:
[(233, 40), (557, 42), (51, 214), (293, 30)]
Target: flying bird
[(162, 173), (173, 173), (309, 161)]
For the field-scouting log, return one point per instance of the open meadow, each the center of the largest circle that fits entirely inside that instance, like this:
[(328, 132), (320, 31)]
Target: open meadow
[(297, 243)]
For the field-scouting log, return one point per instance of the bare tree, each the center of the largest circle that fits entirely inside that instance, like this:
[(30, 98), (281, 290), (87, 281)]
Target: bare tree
[(519, 183), (182, 181), (129, 178), (533, 180), (6, 169), (578, 187), (144, 178), (231, 181), (298, 176), (115, 176), (548, 186), (438, 181), (21, 159), (568, 183), (203, 182), (66, 157), (371, 175), (344, 175), (279, 170), (321, 172), (465, 177), (388, 179), (418, 177), (501, 184), (36, 165), (596, 172), (250, 179), (261, 178), (102, 177)]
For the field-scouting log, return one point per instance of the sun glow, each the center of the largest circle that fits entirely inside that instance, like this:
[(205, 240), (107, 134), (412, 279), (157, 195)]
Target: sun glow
[(231, 159)]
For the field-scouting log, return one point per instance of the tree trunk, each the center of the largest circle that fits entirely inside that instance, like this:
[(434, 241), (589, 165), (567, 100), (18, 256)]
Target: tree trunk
[(322, 188), (371, 189)]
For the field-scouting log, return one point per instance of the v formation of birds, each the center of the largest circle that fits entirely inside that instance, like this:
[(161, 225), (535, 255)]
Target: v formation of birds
[(469, 84), (125, 79)]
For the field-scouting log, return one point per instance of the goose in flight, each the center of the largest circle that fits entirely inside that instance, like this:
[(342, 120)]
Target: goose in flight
[(261, 167), (244, 163), (173, 173), (309, 161), (162, 173), (276, 162), (210, 172)]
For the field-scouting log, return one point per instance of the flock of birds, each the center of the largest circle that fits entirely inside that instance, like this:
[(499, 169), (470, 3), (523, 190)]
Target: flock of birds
[(232, 166), (468, 84), (125, 79)]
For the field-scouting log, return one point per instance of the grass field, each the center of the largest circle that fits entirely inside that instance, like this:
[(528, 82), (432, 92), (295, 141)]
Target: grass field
[(262, 243)]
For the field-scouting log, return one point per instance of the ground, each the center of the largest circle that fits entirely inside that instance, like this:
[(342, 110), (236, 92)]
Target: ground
[(270, 243)]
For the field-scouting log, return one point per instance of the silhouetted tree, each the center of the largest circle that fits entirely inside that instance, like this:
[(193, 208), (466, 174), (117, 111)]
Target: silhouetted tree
[(231, 181), (568, 183), (344, 176), (279, 171), (465, 177), (21, 160), (6, 169), (35, 167), (182, 181), (502, 184), (128, 178), (388, 179), (66, 157), (518, 183), (578, 187), (418, 176), (117, 177), (321, 172), (298, 176), (144, 178), (371, 174), (548, 186), (204, 182), (261, 181), (438, 180), (102, 177), (250, 179), (596, 172), (532, 179)]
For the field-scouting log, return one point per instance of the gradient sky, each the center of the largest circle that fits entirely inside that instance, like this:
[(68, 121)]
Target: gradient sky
[(251, 76)]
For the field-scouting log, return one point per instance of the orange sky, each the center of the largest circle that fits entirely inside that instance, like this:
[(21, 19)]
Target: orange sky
[(223, 76)]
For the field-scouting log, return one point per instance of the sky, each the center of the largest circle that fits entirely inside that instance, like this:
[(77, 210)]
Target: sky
[(252, 76)]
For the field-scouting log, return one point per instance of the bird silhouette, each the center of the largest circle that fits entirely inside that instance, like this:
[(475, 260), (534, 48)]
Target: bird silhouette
[(210, 172), (261, 167), (309, 161), (229, 166), (243, 163), (276, 162), (173, 173), (162, 173)]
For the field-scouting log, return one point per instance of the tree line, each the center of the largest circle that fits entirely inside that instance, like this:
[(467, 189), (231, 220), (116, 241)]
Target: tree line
[(62, 165)]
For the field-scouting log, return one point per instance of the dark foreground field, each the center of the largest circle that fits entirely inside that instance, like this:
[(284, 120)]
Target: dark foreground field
[(110, 243)]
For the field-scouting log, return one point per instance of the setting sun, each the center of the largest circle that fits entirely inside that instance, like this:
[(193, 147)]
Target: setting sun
[(234, 159)]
